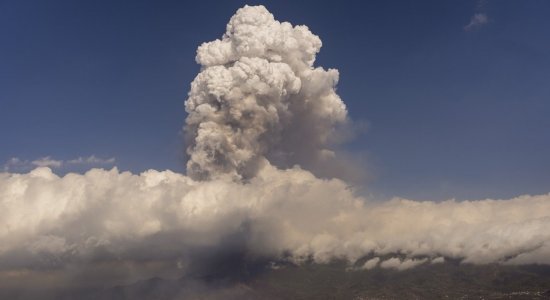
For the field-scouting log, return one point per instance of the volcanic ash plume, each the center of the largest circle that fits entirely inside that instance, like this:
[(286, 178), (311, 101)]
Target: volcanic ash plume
[(259, 97), (257, 106)]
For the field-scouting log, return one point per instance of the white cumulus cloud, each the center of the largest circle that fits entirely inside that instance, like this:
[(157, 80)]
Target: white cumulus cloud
[(50, 222)]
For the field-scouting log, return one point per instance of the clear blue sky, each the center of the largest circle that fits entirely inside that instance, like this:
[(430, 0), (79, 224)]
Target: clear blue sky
[(453, 110)]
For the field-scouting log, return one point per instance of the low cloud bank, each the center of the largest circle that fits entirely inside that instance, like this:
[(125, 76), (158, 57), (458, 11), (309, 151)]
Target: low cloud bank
[(160, 221)]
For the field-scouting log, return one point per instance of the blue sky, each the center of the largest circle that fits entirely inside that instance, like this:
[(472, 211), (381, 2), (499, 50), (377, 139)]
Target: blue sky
[(454, 108)]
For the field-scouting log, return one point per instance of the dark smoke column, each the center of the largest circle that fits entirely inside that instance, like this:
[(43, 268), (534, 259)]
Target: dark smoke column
[(258, 99)]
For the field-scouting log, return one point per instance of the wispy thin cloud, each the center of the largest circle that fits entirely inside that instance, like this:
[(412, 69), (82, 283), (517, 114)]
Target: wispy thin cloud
[(481, 4), (16, 164), (47, 161), (91, 160), (13, 164), (477, 20)]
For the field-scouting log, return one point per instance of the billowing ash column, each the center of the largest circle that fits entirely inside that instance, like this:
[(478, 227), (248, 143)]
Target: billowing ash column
[(258, 99)]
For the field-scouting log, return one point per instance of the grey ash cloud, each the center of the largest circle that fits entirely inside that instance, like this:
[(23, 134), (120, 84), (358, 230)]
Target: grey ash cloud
[(260, 118)]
